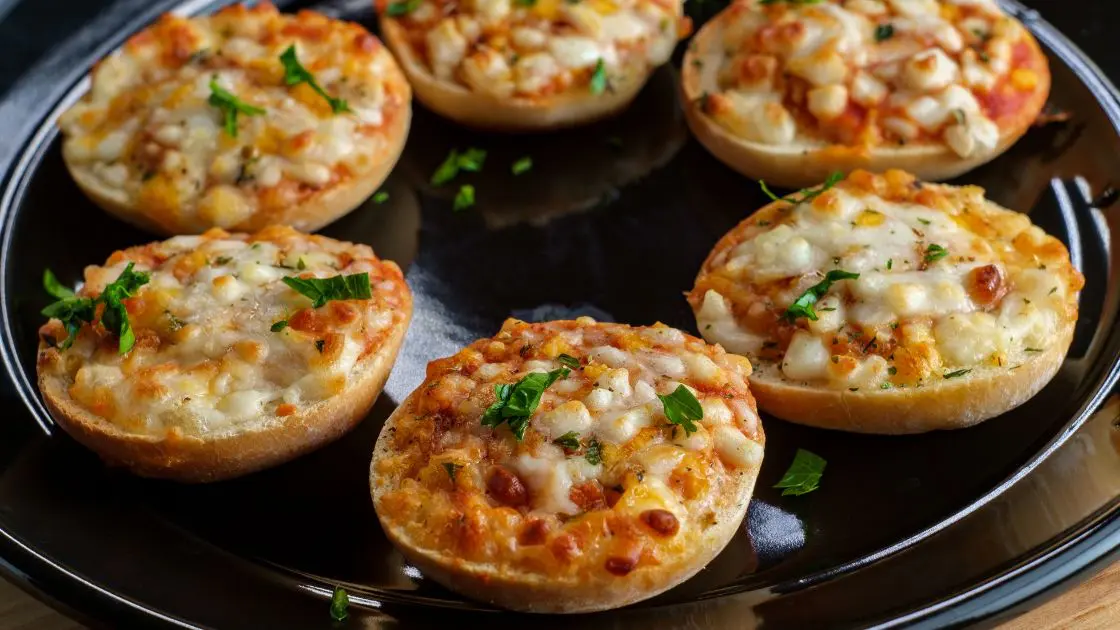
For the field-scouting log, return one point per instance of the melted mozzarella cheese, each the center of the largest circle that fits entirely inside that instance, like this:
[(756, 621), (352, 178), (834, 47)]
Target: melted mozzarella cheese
[(863, 72), (207, 359), (536, 50), (149, 136), (949, 277)]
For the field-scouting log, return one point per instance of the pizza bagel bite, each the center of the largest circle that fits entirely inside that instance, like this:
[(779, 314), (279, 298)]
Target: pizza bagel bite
[(239, 120), (207, 357), (789, 92), (570, 466), (880, 304)]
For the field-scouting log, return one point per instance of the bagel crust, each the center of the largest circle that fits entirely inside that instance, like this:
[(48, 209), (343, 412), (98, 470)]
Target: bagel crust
[(515, 66), (156, 144), (603, 501), (790, 92), (885, 305), (232, 369)]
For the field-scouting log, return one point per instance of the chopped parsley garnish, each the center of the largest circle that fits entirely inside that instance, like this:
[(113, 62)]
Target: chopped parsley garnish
[(804, 474), (935, 252), (766, 189), (594, 452), (470, 160), (380, 197), (230, 106), (300, 264), (568, 361), (523, 165), (807, 194), (892, 370), (884, 32), (957, 373), (525, 3), (569, 441), (1032, 349), (452, 469), (517, 401), (682, 408), (74, 311), (295, 73), (340, 601), (278, 326), (54, 288), (598, 83), (803, 305), (173, 322), (924, 221), (890, 263), (463, 199), (323, 290), (397, 9)]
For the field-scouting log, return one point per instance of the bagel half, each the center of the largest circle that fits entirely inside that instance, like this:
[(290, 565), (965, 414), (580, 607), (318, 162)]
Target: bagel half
[(961, 311), (948, 87), (598, 505), (214, 387), (151, 142), (509, 67)]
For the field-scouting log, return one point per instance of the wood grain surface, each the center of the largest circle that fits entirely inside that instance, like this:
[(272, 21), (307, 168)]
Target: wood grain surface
[(1091, 606)]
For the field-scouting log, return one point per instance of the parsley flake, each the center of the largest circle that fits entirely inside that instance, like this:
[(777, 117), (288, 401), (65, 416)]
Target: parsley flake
[(568, 360), (464, 198), (803, 305), (569, 441), (74, 311), (452, 469), (278, 326), (598, 83), (517, 401), (807, 194), (295, 73), (957, 373), (594, 452), (230, 106), (523, 165), (470, 160), (935, 252), (404, 7), (340, 601), (323, 290), (682, 408), (803, 475), (380, 197), (54, 288), (884, 32)]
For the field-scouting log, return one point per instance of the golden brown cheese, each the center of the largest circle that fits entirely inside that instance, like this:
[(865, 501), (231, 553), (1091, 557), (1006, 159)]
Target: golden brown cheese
[(470, 493), (948, 283), (871, 73), (206, 360), (147, 138)]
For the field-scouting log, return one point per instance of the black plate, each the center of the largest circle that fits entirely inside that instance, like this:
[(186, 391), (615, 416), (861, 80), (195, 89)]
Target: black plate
[(924, 528)]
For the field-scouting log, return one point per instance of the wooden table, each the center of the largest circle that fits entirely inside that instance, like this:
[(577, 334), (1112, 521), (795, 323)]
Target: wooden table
[(1091, 606)]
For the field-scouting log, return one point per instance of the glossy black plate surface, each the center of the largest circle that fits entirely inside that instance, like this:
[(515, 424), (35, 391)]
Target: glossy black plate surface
[(911, 528)]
